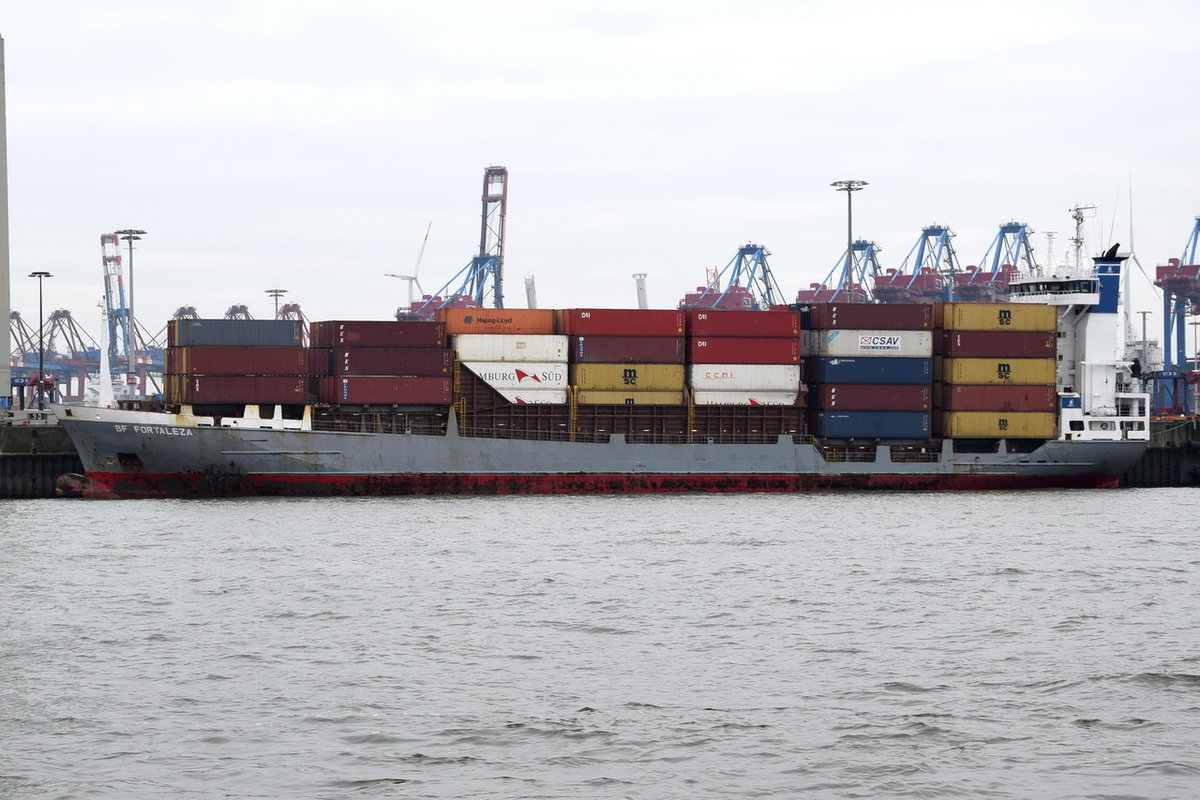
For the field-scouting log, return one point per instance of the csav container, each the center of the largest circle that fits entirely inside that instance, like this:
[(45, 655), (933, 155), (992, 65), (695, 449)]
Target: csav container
[(958, 397), (251, 360), (870, 370), (254, 389), (869, 316), (744, 377), (622, 322), (869, 424), (594, 397), (507, 321), (853, 342), (377, 333), (742, 350), (628, 349), (234, 333), (384, 390), (771, 324), (537, 348), (1010, 344), (746, 398), (506, 375), (867, 397), (1000, 424), (424, 362), (627, 377), (994, 371), (999, 317)]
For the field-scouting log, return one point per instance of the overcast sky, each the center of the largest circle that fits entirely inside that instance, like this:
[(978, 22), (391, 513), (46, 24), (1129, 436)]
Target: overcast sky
[(308, 145)]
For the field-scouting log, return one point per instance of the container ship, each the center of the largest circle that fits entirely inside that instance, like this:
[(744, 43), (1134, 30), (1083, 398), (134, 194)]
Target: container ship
[(1028, 393)]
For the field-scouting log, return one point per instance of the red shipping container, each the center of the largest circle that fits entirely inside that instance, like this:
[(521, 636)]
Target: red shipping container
[(743, 323), (389, 390), (235, 361), (963, 397), (424, 362), (628, 349), (998, 344), (741, 350), (622, 322), (377, 333), (871, 316), (870, 397), (275, 389)]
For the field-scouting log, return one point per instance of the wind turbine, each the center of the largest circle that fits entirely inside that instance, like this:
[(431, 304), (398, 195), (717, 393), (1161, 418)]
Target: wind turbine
[(416, 270)]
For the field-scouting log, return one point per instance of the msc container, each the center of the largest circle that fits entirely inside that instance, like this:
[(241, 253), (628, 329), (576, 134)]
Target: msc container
[(594, 397), (234, 332), (869, 316), (627, 377), (235, 361), (535, 348), (508, 321), (743, 350), (425, 362), (866, 397), (746, 398), (852, 342), (506, 375), (870, 370), (282, 389), (622, 322), (1000, 424), (869, 424), (1012, 344), (703, 324), (377, 333), (628, 349), (999, 398), (529, 397), (999, 317), (994, 371), (745, 377), (391, 390)]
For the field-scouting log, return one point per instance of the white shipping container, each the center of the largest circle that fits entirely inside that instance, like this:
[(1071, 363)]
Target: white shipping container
[(860, 343), (532, 349), (556, 397), (745, 377), (503, 375), (745, 398)]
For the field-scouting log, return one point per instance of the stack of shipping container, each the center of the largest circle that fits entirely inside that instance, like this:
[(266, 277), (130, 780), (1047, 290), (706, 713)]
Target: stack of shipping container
[(515, 352), (999, 364), (381, 363), (227, 362), (744, 357), (626, 357)]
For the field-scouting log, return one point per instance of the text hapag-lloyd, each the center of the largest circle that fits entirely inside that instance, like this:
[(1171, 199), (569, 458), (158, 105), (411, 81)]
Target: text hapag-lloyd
[(157, 430)]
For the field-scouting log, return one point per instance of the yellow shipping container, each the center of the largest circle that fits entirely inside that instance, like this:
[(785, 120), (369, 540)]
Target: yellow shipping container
[(602, 398), (1000, 424), (999, 317), (999, 371), (627, 377)]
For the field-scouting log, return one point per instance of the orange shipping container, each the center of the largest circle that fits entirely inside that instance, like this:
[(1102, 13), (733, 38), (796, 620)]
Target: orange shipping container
[(536, 321)]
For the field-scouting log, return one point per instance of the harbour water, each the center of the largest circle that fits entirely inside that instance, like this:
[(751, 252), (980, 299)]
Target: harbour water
[(828, 645)]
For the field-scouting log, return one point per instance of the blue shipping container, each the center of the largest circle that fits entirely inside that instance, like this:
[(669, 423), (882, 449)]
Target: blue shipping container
[(870, 370), (870, 424)]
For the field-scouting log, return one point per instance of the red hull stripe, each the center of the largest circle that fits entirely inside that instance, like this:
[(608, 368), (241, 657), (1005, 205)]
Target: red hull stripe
[(121, 485)]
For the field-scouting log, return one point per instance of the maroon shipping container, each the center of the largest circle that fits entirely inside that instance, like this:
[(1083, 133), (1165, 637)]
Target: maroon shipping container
[(422, 362), (962, 397), (377, 333), (871, 316), (277, 389), (389, 390), (741, 350), (870, 397), (998, 344), (703, 324), (622, 322), (628, 349), (235, 361)]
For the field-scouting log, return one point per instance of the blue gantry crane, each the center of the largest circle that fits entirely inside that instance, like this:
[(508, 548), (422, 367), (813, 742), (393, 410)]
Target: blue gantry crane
[(746, 282)]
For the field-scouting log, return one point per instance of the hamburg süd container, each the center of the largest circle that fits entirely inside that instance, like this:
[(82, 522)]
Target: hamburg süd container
[(868, 397), (423, 362), (234, 333), (261, 389), (999, 317), (250, 360), (594, 397), (622, 322), (627, 377), (869, 424), (508, 321), (384, 390), (628, 349), (744, 350), (1007, 344), (524, 396), (746, 398), (771, 324), (853, 342), (507, 375), (377, 333), (868, 316), (744, 377), (1000, 424), (997, 371), (870, 370), (520, 348), (960, 397)]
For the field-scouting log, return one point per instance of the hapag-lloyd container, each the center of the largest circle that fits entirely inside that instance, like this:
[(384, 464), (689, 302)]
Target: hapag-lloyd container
[(744, 350), (193, 389), (870, 370), (745, 398), (389, 390), (377, 333), (1010, 344), (854, 342), (1000, 424), (869, 316), (508, 321), (867, 397), (772, 324), (517, 348), (999, 317), (745, 377), (596, 397), (960, 397), (994, 371), (234, 333), (252, 360), (507, 375), (622, 322), (628, 349), (870, 424), (627, 377), (424, 362)]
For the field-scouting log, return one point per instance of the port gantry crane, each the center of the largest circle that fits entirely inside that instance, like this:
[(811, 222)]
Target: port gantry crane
[(931, 275), (1179, 280), (748, 284), (1009, 253), (849, 280)]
